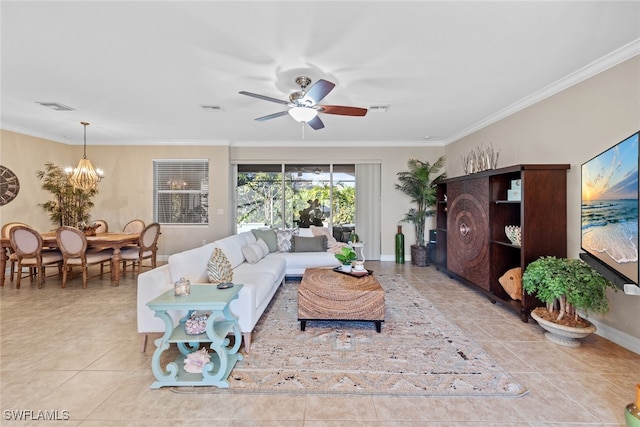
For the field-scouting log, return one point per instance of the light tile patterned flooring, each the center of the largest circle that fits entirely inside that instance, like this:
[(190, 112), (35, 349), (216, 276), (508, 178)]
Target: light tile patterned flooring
[(77, 350)]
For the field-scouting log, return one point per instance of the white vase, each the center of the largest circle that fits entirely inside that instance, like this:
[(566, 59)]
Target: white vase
[(565, 336), (346, 268)]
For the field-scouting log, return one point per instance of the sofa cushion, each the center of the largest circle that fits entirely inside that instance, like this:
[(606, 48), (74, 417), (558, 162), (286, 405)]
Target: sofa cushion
[(264, 246), (269, 237), (191, 264), (254, 253), (248, 238), (298, 261), (219, 268), (263, 284), (284, 239), (309, 244), (232, 248)]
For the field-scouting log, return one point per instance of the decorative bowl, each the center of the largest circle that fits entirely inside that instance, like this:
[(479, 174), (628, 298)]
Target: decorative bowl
[(513, 234)]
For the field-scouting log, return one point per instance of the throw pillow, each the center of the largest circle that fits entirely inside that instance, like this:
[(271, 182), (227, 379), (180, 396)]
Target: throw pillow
[(264, 246), (323, 231), (309, 244), (219, 268), (269, 236), (253, 253), (284, 239)]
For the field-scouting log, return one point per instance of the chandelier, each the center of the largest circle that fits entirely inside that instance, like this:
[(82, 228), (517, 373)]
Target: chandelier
[(84, 176)]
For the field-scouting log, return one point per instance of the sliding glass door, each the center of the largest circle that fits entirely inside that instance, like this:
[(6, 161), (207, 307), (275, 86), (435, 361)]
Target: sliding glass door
[(295, 195)]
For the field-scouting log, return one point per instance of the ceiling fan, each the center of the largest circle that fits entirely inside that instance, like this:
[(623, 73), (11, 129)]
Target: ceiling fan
[(304, 105)]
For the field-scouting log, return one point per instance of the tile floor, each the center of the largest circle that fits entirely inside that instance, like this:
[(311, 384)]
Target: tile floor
[(77, 350)]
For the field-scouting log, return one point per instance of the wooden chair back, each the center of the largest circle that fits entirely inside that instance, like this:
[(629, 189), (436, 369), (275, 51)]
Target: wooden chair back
[(134, 226)]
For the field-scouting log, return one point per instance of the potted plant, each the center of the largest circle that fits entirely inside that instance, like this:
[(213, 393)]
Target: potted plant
[(346, 256), (565, 286), (70, 206), (419, 183)]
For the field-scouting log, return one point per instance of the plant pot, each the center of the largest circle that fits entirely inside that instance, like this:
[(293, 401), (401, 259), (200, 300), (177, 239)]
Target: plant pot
[(566, 336), (346, 268), (419, 256)]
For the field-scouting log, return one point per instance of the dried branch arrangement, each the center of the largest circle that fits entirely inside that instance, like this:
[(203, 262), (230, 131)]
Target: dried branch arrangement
[(480, 159)]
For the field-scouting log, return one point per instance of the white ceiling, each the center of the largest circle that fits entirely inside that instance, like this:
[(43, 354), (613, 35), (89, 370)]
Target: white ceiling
[(140, 72)]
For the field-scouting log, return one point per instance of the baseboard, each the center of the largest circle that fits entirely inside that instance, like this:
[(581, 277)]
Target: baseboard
[(627, 341)]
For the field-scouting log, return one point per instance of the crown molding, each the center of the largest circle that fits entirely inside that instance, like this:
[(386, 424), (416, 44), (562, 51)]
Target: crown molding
[(616, 57)]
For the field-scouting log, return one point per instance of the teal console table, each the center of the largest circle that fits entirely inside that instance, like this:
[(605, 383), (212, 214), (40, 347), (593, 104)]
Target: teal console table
[(221, 323)]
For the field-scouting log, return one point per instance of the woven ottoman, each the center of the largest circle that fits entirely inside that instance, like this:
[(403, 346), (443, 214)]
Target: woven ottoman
[(328, 295)]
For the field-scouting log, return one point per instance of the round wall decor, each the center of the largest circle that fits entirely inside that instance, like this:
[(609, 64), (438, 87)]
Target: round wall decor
[(9, 185)]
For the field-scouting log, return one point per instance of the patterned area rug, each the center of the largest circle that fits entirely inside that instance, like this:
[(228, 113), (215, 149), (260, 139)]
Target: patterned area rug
[(418, 353)]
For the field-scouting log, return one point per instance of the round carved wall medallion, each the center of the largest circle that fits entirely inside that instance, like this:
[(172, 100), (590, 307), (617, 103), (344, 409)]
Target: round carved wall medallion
[(9, 185)]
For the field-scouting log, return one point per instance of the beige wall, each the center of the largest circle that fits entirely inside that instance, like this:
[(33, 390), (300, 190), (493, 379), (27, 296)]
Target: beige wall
[(127, 190), (570, 127), (125, 193)]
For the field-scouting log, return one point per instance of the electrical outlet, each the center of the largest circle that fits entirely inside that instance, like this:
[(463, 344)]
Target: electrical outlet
[(220, 211), (204, 242)]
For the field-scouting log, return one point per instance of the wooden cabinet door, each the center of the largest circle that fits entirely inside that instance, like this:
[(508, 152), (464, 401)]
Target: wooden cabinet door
[(468, 230)]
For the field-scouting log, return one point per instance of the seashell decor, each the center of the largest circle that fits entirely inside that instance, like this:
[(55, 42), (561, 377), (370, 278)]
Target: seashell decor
[(194, 362), (513, 234)]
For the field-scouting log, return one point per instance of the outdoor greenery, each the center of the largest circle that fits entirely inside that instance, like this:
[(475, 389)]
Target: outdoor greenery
[(419, 183), (70, 206), (566, 285), (261, 195)]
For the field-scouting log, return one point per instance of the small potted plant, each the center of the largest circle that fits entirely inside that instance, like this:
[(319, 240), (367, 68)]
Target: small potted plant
[(565, 286), (346, 256)]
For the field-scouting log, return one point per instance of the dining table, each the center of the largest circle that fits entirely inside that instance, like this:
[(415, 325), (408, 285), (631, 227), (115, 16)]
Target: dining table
[(109, 240)]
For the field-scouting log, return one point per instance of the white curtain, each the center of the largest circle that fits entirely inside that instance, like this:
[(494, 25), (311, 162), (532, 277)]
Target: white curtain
[(368, 208)]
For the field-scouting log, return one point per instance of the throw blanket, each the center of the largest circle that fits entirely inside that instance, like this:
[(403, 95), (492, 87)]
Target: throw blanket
[(333, 245)]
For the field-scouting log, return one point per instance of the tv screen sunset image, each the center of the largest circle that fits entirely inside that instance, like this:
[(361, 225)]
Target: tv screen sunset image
[(610, 207)]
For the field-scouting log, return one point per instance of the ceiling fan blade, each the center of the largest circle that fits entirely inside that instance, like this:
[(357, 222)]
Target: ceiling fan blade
[(342, 110), (272, 116), (316, 123), (265, 98), (317, 91)]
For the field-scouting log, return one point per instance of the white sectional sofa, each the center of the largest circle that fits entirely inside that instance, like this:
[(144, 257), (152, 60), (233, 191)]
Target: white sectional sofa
[(260, 279)]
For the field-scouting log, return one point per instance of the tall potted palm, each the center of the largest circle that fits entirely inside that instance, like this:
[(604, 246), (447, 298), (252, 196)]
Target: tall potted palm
[(70, 206), (419, 183)]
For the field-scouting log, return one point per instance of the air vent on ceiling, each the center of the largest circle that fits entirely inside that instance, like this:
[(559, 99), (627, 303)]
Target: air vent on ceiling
[(212, 107), (381, 108), (56, 106)]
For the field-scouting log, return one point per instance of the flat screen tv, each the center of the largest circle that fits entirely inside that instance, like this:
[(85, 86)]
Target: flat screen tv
[(609, 211)]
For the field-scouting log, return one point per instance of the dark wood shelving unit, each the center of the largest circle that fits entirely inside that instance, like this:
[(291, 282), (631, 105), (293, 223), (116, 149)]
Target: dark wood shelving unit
[(472, 212)]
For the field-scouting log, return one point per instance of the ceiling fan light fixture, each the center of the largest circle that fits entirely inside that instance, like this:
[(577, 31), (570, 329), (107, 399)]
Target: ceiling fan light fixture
[(303, 114)]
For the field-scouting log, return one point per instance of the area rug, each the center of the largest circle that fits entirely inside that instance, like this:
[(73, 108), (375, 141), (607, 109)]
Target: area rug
[(418, 353)]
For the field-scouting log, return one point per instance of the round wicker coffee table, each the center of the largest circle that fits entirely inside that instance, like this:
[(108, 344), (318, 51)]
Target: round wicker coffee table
[(325, 294)]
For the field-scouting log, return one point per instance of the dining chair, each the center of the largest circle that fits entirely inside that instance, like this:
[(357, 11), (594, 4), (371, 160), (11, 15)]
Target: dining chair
[(11, 254), (147, 248), (133, 226), (27, 244), (103, 227), (73, 245)]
